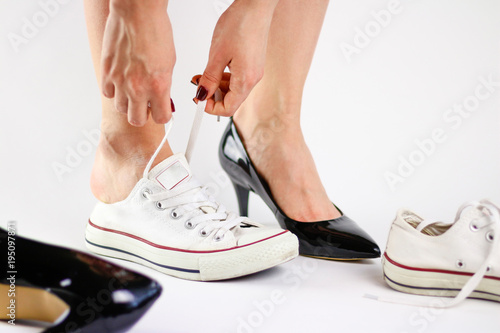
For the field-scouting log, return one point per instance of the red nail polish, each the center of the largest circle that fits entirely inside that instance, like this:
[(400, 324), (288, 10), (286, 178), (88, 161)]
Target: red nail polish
[(172, 106), (202, 93)]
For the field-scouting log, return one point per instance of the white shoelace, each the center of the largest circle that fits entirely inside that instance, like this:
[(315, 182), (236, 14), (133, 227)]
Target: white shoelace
[(192, 198), (491, 219)]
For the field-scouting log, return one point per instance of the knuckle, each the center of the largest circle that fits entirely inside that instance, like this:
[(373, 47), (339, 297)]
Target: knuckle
[(136, 90), (246, 81), (159, 84), (210, 77), (115, 75), (133, 80)]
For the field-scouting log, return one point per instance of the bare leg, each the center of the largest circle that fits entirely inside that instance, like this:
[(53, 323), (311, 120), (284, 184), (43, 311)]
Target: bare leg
[(123, 150), (269, 120)]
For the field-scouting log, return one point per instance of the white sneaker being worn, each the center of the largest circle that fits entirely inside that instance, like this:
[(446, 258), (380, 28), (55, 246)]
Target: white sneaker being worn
[(170, 223), (460, 260)]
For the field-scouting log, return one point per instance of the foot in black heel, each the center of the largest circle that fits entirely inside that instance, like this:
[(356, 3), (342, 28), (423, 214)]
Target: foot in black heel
[(73, 291), (339, 238)]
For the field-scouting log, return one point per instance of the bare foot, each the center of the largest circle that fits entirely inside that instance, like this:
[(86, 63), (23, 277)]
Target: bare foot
[(120, 163), (283, 159)]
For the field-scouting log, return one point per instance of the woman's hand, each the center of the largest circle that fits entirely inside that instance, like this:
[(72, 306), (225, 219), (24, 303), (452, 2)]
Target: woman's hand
[(138, 58), (239, 42)]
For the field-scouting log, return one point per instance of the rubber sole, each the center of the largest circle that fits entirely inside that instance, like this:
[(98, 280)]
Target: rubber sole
[(190, 265), (434, 282)]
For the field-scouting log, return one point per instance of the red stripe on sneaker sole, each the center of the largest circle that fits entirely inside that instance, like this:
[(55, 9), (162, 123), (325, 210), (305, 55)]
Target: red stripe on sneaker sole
[(175, 249), (434, 270)]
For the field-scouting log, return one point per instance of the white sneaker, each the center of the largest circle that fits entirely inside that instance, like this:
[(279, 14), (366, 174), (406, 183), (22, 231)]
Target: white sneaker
[(460, 259), (170, 223)]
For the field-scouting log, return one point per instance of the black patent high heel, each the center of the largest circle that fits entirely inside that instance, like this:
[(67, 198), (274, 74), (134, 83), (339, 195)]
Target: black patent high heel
[(242, 195), (69, 289), (339, 238)]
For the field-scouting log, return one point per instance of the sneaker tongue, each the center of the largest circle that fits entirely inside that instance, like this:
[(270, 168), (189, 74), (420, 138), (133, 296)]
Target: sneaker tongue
[(171, 172)]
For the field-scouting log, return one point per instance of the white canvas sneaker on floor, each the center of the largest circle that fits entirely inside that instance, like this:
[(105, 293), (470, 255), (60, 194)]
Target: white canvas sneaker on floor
[(459, 259), (170, 223)]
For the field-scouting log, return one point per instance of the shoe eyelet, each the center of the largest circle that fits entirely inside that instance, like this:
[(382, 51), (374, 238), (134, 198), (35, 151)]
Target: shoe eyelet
[(174, 214), (489, 236), (203, 233), (159, 206), (218, 238), (460, 264), (488, 268), (189, 225), (473, 225), (146, 190)]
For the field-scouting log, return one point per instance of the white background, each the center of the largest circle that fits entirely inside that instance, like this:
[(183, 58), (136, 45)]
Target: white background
[(359, 117)]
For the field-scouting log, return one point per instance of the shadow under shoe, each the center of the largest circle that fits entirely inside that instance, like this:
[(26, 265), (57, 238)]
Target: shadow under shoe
[(72, 290), (339, 239)]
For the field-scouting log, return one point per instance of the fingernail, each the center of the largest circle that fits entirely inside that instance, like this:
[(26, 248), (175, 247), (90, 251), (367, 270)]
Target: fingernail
[(202, 93), (172, 106), (194, 100), (196, 82)]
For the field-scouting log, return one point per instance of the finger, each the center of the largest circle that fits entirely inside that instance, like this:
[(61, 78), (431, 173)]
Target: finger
[(210, 106), (219, 92), (137, 112), (161, 109), (218, 108), (224, 87), (121, 101), (229, 105), (238, 90), (108, 88), (224, 84), (211, 77)]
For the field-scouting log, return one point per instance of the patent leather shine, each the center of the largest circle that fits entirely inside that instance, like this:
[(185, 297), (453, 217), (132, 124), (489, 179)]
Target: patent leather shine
[(102, 297), (339, 238)]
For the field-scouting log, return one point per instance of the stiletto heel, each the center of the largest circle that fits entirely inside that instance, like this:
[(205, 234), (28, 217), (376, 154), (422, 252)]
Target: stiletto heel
[(242, 195), (339, 238)]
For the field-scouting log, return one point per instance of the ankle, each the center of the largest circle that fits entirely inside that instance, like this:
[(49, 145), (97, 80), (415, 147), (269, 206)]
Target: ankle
[(122, 147), (260, 134), (120, 162)]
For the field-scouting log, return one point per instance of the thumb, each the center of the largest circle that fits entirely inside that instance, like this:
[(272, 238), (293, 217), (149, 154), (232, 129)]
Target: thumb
[(211, 78)]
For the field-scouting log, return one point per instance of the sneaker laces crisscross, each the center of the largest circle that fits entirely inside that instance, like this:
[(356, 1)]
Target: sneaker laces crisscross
[(192, 199)]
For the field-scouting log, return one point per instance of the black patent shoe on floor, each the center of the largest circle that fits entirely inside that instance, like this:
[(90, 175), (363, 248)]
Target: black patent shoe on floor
[(339, 239), (68, 290)]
